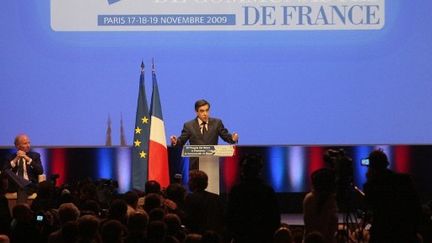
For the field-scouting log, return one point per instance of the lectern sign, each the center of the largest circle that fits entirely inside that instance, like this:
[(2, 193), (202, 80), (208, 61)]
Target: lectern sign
[(208, 150), (209, 160)]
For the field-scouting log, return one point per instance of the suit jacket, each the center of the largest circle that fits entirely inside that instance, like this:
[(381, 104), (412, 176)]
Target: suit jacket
[(191, 132), (395, 206), (253, 211), (204, 211), (33, 170)]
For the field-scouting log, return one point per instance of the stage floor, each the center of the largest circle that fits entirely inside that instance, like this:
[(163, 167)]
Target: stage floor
[(292, 219), (297, 219)]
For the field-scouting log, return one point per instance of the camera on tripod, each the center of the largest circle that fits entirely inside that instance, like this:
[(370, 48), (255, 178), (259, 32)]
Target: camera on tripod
[(341, 164), (347, 196)]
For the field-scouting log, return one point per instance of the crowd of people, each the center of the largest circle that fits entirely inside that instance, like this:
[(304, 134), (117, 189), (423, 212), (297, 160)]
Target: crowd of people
[(92, 211)]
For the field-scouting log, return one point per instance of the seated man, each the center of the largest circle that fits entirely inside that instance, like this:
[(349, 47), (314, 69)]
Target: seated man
[(23, 168)]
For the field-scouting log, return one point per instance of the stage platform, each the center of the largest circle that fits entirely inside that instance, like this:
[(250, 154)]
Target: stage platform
[(296, 219), (292, 219)]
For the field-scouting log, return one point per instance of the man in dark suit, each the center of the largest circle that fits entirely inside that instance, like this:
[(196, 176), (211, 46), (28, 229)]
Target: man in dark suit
[(26, 165), (204, 210), (203, 130), (252, 214), (393, 201)]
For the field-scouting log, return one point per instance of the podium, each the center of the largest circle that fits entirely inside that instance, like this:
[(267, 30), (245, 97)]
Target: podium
[(209, 160)]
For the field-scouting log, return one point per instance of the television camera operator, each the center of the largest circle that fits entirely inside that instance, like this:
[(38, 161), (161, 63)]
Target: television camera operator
[(392, 201)]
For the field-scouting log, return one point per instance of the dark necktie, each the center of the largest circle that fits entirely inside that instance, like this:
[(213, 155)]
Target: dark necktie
[(204, 129), (21, 167)]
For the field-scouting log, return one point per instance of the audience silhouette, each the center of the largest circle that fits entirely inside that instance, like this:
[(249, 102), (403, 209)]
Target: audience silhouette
[(253, 211), (393, 202), (80, 212), (319, 205), (204, 210)]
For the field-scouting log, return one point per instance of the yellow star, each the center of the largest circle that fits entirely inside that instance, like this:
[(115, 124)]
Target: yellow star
[(138, 130), (137, 143), (144, 119), (142, 154)]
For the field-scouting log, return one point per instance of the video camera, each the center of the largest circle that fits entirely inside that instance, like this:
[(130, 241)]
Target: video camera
[(40, 217), (105, 190), (342, 166)]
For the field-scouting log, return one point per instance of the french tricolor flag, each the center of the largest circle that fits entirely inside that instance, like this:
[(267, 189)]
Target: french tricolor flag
[(158, 168)]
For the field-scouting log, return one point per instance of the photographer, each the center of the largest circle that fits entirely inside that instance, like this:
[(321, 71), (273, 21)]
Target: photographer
[(393, 202)]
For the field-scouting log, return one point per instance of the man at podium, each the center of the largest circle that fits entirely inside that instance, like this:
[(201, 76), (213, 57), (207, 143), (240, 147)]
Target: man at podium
[(203, 130)]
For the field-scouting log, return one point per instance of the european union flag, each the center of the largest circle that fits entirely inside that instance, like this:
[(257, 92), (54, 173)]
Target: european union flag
[(141, 138)]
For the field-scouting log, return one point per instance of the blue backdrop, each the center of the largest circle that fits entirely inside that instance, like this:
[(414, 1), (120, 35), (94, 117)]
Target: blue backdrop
[(272, 87)]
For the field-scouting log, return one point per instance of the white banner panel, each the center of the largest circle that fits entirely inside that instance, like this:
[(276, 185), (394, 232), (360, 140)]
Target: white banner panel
[(205, 15)]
